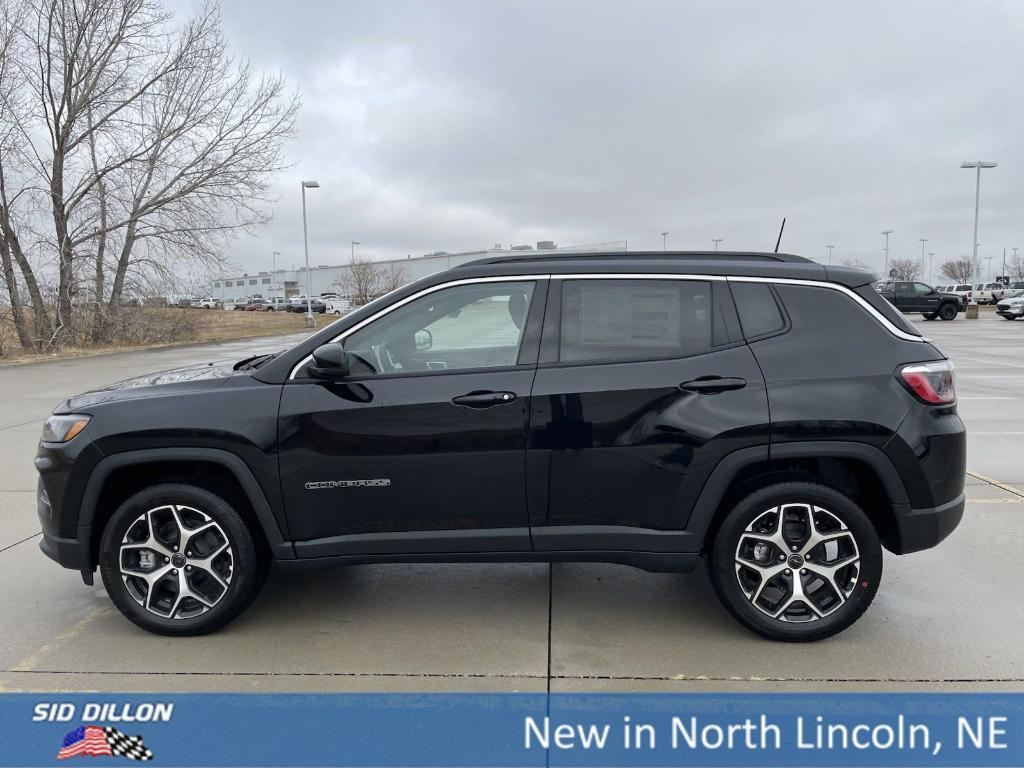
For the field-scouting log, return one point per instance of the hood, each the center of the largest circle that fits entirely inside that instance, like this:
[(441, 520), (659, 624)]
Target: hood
[(174, 381)]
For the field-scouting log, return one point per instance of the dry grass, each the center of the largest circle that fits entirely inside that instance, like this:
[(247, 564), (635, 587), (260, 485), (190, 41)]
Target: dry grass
[(192, 326)]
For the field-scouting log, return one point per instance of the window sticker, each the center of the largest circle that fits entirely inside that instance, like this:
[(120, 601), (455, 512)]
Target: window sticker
[(623, 315)]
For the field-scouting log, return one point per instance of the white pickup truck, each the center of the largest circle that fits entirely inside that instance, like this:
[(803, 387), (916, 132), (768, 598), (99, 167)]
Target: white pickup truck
[(990, 293)]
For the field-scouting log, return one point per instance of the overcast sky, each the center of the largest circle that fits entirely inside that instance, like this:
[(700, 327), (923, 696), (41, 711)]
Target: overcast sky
[(457, 125)]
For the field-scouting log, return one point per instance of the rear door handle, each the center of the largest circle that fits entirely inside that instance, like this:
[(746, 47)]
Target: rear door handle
[(484, 399), (711, 385)]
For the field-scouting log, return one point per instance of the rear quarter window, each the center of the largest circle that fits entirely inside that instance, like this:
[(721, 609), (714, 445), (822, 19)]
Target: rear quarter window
[(759, 312)]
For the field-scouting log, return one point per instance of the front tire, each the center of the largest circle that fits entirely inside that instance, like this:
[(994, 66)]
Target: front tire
[(947, 312), (796, 562), (177, 559)]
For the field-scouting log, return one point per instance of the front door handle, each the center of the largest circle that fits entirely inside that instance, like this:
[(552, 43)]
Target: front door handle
[(484, 399), (712, 385)]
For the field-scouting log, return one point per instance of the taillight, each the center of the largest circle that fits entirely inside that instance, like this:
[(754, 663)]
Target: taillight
[(930, 383), (970, 294)]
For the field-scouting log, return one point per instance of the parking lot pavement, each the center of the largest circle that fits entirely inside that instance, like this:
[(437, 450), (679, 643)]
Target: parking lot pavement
[(948, 618)]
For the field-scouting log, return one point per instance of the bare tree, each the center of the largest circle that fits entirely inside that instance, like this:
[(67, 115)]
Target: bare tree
[(151, 146), (393, 276), (365, 280), (905, 269), (959, 270), (1015, 267)]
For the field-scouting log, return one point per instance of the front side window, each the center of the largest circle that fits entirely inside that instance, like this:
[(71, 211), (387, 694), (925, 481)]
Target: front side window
[(608, 320), (922, 289), (467, 326)]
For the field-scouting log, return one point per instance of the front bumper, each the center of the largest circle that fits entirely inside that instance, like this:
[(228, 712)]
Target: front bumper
[(918, 529), (1010, 310), (71, 553)]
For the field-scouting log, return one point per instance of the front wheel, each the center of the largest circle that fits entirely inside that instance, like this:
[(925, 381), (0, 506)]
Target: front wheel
[(947, 312), (177, 559), (796, 562), (1009, 317)]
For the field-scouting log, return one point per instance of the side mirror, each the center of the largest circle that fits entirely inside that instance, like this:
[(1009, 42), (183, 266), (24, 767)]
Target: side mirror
[(330, 361), (423, 339)]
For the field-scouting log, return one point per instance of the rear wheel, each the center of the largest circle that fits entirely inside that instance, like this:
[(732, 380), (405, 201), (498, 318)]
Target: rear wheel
[(177, 559), (796, 562), (947, 312), (930, 315)]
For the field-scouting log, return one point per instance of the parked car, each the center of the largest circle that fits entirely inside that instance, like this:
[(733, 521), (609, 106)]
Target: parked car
[(777, 417), (1014, 289), (256, 305), (989, 293), (275, 304), (965, 291), (1011, 309), (338, 306), (920, 297), (318, 306), (207, 303)]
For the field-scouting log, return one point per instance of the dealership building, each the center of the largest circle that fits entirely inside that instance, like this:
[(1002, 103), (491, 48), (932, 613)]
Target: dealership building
[(332, 278)]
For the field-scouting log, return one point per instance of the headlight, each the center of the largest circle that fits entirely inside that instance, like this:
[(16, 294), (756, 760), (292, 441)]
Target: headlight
[(60, 429)]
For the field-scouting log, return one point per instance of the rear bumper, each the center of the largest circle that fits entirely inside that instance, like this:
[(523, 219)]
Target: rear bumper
[(919, 529)]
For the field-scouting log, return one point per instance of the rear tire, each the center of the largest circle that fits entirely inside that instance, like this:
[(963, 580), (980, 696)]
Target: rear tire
[(177, 559), (947, 312), (799, 530), (929, 315)]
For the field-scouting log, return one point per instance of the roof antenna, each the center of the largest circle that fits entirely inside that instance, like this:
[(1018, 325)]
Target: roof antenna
[(777, 242)]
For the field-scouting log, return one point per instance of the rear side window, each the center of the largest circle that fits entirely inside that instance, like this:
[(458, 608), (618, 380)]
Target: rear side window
[(609, 320), (759, 312)]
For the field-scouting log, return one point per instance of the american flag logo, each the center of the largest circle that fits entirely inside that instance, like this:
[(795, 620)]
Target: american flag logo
[(97, 741)]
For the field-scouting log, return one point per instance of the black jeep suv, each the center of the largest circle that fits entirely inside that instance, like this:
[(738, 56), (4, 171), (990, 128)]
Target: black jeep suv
[(774, 415)]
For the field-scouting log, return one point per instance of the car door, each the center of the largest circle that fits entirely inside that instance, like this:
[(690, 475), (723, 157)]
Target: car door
[(644, 384), (926, 298), (906, 299), (421, 447)]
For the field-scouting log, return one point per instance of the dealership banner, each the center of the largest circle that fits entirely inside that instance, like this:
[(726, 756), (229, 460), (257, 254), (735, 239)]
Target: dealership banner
[(706, 729)]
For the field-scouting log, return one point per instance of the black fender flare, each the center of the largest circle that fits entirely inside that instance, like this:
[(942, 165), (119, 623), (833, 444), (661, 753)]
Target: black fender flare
[(281, 549), (722, 476)]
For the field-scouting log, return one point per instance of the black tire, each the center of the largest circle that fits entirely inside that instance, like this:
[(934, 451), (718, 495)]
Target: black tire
[(833, 613), (947, 312), (929, 315), (244, 568), (1009, 317)]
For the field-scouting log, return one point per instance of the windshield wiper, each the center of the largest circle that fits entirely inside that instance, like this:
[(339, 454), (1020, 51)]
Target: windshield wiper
[(251, 363)]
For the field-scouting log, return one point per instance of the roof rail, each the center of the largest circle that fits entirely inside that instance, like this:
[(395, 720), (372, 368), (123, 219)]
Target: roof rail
[(640, 255)]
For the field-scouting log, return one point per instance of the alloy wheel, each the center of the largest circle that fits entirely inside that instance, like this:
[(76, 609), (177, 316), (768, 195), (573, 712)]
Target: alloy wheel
[(797, 562), (176, 561)]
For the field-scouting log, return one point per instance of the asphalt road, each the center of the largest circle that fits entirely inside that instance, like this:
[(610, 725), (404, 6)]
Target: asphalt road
[(948, 618)]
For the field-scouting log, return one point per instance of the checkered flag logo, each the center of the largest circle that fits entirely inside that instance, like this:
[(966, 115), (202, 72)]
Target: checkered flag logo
[(96, 741), (123, 745)]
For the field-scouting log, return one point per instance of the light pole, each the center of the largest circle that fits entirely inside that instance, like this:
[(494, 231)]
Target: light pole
[(989, 270), (887, 232), (716, 241), (305, 244), (830, 247), (664, 240), (978, 164), (1003, 273), (273, 272), (354, 243), (931, 267), (922, 240)]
